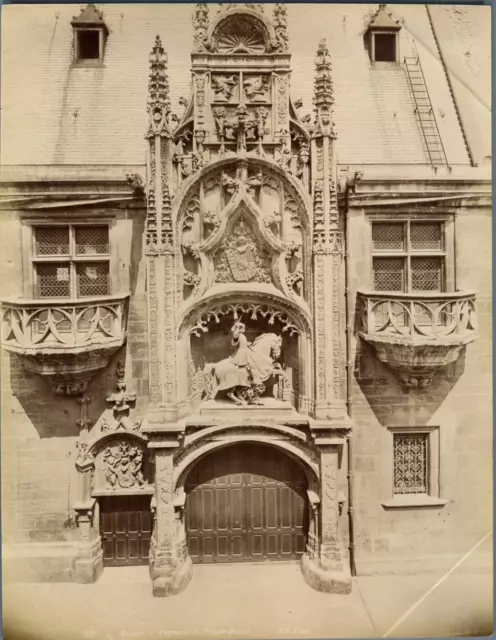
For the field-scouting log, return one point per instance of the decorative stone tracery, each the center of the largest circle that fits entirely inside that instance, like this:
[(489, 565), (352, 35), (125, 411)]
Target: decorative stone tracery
[(234, 238)]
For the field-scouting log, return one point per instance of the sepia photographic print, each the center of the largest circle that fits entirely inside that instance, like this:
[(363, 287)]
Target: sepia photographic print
[(246, 321)]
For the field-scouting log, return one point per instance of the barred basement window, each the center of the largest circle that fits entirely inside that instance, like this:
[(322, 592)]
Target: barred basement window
[(410, 463), (408, 256), (71, 261)]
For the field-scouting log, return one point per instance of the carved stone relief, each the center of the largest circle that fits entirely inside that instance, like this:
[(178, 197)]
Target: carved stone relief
[(256, 238), (200, 82), (240, 33), (241, 256), (256, 88), (224, 87), (122, 465), (282, 100)]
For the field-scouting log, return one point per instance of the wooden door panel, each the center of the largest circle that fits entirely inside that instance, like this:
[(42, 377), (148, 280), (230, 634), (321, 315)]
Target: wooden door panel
[(208, 548), (256, 547), (134, 550), (146, 522), (121, 551), (108, 550), (271, 511), (256, 508), (222, 548), (286, 511), (208, 510), (246, 503), (125, 529), (237, 548), (222, 510)]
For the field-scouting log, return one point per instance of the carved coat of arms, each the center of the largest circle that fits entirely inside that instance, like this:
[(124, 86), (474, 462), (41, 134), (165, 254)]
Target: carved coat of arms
[(242, 259), (122, 465)]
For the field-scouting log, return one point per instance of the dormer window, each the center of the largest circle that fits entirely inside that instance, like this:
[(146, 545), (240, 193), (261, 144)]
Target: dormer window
[(384, 47), (382, 37), (87, 44), (90, 33)]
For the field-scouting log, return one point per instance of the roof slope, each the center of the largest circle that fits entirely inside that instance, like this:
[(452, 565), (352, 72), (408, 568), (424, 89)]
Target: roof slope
[(53, 113), (464, 34)]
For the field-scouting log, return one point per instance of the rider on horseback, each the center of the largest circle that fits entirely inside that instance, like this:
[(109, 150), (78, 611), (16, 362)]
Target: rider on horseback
[(244, 355), (243, 374)]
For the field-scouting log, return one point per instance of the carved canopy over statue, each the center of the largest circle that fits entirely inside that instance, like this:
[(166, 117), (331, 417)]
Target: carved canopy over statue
[(244, 373)]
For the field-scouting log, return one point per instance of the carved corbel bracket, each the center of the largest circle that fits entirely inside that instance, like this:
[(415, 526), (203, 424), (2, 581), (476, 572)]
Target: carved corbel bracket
[(416, 334), (85, 460), (415, 364)]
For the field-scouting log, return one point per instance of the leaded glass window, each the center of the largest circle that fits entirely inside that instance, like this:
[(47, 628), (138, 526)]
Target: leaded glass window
[(408, 256), (71, 261)]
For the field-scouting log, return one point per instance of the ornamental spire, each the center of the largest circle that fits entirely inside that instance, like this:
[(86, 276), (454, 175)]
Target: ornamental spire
[(281, 25), (323, 97), (200, 26), (159, 106)]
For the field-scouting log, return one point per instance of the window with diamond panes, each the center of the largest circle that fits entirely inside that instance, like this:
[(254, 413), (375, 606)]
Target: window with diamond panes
[(408, 256), (410, 463), (52, 241), (71, 261)]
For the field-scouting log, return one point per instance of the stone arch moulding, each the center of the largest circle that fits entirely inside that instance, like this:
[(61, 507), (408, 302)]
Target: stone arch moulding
[(243, 211), (236, 300), (187, 188), (226, 436)]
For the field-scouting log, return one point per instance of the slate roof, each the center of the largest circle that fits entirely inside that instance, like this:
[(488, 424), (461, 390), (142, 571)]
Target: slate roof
[(54, 113)]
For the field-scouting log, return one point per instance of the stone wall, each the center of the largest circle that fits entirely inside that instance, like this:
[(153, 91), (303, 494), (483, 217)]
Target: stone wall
[(459, 402), (39, 429)]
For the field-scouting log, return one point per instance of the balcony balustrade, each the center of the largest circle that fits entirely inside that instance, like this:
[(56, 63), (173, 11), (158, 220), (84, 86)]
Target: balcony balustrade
[(65, 340), (416, 334)]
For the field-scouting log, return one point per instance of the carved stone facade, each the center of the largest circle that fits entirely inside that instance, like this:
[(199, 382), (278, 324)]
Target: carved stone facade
[(254, 315), (244, 254)]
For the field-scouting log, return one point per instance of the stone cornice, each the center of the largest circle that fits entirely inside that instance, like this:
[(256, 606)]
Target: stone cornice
[(388, 199)]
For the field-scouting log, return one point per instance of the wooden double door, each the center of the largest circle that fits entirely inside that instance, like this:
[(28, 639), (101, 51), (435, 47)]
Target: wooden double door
[(246, 503), (125, 529)]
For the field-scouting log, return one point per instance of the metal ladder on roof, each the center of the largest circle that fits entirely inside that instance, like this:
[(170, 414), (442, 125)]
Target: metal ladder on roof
[(425, 112)]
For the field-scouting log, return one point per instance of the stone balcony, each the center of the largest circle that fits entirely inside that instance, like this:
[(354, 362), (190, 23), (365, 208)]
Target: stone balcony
[(65, 341), (416, 334)]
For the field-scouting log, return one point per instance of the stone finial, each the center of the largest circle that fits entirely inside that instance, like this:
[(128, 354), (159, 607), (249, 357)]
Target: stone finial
[(200, 26), (280, 22), (225, 6), (323, 96), (382, 19), (159, 106), (90, 17)]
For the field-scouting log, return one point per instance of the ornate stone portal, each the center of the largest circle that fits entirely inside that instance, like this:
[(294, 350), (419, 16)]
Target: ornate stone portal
[(243, 246)]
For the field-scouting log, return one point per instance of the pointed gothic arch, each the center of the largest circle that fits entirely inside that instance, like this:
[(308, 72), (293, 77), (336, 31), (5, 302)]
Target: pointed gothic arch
[(187, 188)]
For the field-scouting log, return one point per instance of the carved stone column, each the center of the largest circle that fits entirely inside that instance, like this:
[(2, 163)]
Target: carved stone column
[(89, 561), (171, 568), (160, 246), (327, 251), (323, 566)]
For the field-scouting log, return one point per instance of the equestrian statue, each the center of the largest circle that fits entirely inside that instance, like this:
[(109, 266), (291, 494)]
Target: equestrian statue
[(244, 373)]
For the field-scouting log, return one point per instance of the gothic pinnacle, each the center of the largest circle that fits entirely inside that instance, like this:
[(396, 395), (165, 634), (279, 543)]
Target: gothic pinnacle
[(159, 105), (323, 97)]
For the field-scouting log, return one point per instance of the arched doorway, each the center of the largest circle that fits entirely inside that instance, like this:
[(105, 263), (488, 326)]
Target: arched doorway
[(246, 503)]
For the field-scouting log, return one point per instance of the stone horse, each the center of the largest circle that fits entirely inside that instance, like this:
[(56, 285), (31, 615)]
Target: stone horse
[(245, 384)]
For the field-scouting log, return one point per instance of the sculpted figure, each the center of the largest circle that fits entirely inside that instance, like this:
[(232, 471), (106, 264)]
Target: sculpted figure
[(244, 373)]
